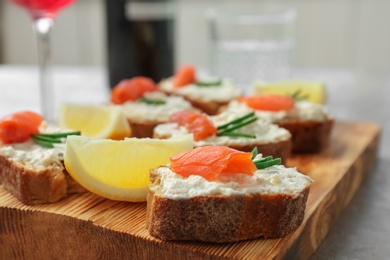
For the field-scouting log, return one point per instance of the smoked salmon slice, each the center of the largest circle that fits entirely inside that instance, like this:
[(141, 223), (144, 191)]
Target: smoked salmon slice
[(268, 102), (19, 126), (185, 75), (132, 89), (198, 124), (210, 162)]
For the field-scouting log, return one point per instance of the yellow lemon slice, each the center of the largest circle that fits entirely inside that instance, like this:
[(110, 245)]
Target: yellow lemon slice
[(98, 121), (310, 90), (119, 170)]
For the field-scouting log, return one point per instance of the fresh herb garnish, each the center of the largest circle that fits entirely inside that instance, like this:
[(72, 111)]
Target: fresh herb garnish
[(297, 95), (254, 152), (236, 121), (48, 140), (233, 134), (152, 101), (228, 128), (265, 162), (217, 82)]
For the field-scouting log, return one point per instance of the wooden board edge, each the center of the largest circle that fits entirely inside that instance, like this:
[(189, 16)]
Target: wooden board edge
[(90, 240), (313, 232), (309, 238)]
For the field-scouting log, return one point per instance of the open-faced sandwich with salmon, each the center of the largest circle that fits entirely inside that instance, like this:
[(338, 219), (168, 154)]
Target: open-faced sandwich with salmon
[(242, 131), (208, 94), (144, 106), (309, 123), (219, 194), (31, 159)]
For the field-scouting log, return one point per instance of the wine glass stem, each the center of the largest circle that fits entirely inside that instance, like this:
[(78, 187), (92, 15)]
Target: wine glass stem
[(42, 28)]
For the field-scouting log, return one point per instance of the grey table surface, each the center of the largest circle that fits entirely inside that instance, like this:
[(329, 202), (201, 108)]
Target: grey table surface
[(361, 231)]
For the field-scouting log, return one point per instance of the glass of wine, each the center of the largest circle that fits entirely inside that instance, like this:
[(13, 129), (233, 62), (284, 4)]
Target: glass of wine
[(43, 13)]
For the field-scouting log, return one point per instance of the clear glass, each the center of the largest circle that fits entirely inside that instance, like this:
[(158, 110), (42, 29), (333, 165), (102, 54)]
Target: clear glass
[(43, 13), (251, 46)]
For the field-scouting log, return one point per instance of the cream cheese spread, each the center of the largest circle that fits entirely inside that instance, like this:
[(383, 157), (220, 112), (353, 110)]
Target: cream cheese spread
[(302, 111), (224, 92), (273, 180), (264, 131), (143, 112), (33, 156), (308, 111)]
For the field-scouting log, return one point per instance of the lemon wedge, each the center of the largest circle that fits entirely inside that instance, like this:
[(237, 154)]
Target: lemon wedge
[(119, 170), (310, 90), (98, 121)]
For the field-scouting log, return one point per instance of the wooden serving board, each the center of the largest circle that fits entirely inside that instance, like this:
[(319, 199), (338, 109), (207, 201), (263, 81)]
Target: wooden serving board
[(90, 227)]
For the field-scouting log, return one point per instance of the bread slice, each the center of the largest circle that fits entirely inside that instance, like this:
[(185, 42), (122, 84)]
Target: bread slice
[(224, 218), (278, 149), (308, 136), (36, 185), (209, 99), (210, 108), (141, 129), (143, 117)]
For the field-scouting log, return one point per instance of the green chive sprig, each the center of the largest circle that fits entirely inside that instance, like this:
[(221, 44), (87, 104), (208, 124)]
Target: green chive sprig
[(265, 162), (152, 101), (254, 152), (49, 139), (233, 134), (228, 128), (217, 82), (297, 95)]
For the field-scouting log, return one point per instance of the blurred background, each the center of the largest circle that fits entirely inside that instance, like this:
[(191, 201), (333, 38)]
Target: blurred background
[(352, 34)]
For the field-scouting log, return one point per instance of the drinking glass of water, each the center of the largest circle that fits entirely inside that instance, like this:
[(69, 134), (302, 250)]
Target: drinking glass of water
[(256, 45)]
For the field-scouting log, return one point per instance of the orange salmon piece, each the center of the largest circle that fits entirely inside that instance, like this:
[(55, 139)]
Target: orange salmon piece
[(18, 127), (132, 89), (144, 84), (268, 102), (210, 162), (185, 75), (183, 117), (198, 124)]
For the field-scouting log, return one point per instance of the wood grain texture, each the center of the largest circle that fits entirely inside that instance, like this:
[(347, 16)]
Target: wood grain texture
[(87, 226)]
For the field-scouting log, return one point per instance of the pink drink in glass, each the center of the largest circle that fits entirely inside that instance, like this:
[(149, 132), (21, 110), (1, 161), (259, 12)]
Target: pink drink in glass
[(43, 13), (43, 8)]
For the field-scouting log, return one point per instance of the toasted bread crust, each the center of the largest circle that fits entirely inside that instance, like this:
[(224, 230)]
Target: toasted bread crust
[(36, 187), (308, 136), (142, 129), (279, 149), (209, 107), (222, 218)]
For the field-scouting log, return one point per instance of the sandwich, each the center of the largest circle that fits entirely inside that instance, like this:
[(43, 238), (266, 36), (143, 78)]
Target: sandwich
[(310, 124), (208, 94), (144, 106), (219, 194), (31, 159)]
